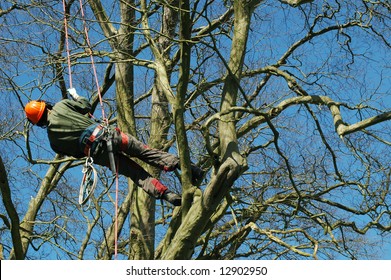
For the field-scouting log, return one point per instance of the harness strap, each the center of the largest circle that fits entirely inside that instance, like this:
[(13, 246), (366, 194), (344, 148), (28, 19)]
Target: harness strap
[(91, 139), (124, 139)]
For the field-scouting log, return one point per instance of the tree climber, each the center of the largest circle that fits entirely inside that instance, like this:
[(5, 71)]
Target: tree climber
[(72, 132)]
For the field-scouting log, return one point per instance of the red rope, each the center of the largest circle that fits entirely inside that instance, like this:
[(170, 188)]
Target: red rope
[(107, 122), (116, 212), (92, 62), (67, 44)]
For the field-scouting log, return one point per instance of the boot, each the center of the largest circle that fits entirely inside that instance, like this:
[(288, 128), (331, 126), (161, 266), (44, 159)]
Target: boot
[(171, 197)]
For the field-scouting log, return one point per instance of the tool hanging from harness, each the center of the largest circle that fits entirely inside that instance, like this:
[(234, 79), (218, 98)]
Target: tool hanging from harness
[(91, 142), (89, 180)]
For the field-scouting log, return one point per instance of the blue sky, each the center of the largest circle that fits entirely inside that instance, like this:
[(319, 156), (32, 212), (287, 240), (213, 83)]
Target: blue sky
[(318, 63)]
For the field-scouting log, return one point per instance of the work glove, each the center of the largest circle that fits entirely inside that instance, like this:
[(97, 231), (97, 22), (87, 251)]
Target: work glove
[(72, 92)]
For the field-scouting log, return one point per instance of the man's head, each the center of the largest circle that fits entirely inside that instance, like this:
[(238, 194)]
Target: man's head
[(36, 112)]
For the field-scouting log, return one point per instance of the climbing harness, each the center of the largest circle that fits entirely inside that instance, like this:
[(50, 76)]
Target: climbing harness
[(99, 132), (89, 180), (88, 142)]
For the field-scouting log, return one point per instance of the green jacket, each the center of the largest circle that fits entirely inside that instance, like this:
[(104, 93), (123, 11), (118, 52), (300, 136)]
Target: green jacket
[(66, 122)]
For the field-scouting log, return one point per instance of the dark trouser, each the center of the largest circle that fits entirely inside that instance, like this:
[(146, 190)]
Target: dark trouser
[(129, 145)]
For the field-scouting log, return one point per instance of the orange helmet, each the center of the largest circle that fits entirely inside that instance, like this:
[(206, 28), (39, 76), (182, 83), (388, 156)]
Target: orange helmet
[(34, 110)]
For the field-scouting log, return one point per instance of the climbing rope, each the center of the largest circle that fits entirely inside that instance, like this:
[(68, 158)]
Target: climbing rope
[(89, 173), (67, 44), (92, 61)]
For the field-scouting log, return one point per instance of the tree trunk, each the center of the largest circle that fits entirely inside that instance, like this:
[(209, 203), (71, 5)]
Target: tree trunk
[(233, 164), (18, 251), (143, 211)]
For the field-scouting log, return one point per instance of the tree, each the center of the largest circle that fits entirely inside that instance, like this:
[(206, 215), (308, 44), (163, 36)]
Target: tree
[(285, 104)]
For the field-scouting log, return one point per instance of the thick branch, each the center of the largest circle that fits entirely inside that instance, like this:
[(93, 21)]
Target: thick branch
[(296, 3), (12, 214), (160, 67), (340, 126), (104, 21), (343, 129)]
